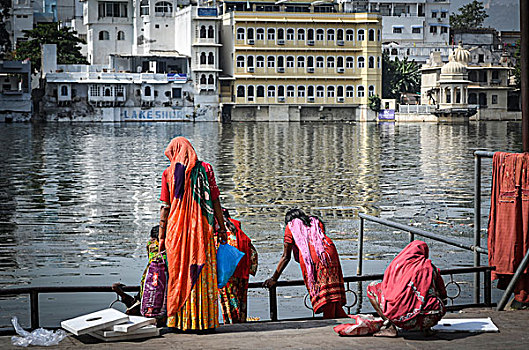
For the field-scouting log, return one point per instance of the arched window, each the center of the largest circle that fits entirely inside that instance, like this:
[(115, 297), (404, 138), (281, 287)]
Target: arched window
[(271, 91), (144, 8), (271, 34), (240, 61), (361, 35), (280, 91), (290, 61), (203, 32), (330, 62), (378, 35), (330, 91), (249, 61), (301, 62), (147, 91), (371, 90), (211, 32), (240, 33), (339, 92), (290, 34), (349, 62), (250, 92), (280, 62), (203, 79), (330, 34), (249, 33), (448, 95), (211, 58), (271, 61), (349, 91), (350, 35), (240, 91), (259, 61), (472, 98), (108, 91), (339, 62), (211, 79), (319, 62), (320, 91), (103, 35), (339, 34), (378, 62), (371, 35), (163, 7), (310, 62), (310, 91), (301, 91), (260, 36), (360, 91), (482, 99), (361, 62), (320, 34), (310, 34), (260, 91), (203, 58), (290, 91), (371, 63), (64, 90), (301, 34), (121, 35), (280, 34)]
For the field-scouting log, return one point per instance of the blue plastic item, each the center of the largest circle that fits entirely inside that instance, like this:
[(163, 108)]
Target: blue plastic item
[(227, 259)]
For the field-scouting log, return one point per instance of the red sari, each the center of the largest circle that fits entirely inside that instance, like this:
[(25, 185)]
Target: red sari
[(324, 281)]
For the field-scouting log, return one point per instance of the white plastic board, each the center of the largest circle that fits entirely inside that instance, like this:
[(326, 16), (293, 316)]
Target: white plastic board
[(473, 325), (135, 322), (95, 321), (144, 332)]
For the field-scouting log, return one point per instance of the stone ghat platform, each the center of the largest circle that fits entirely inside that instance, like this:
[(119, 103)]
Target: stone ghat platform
[(319, 334)]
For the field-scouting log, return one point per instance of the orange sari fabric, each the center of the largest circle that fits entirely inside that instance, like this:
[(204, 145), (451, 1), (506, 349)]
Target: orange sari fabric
[(189, 232)]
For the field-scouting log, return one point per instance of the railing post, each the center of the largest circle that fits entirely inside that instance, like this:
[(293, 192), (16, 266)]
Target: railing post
[(487, 288), (34, 309), (510, 288), (477, 224), (360, 247), (272, 294), (412, 236)]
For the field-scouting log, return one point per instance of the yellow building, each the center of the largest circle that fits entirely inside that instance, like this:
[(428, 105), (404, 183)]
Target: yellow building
[(290, 60)]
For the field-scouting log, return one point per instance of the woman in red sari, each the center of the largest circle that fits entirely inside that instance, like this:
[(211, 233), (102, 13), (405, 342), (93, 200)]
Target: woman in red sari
[(190, 205), (319, 262), (412, 294)]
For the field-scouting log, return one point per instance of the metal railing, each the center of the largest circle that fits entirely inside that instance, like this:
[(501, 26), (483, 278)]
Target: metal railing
[(34, 292)]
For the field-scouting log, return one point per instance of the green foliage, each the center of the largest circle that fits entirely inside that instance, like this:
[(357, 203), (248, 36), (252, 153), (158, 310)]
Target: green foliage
[(470, 16), (399, 77), (375, 103), (68, 49), (5, 41)]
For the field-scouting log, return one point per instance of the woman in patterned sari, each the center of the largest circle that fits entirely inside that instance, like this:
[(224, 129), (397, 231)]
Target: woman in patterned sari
[(190, 202), (412, 294), (319, 262), (233, 297)]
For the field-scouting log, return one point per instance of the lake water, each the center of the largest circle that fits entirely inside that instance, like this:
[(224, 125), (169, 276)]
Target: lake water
[(77, 200)]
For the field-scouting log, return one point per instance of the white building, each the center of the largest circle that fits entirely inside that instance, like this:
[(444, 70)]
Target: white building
[(410, 28), (15, 91)]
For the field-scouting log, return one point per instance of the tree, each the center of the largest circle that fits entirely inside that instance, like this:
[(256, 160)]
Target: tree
[(374, 104), (399, 77), (470, 16), (68, 49), (5, 41)]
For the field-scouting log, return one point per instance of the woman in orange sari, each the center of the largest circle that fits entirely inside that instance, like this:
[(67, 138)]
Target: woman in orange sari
[(190, 202)]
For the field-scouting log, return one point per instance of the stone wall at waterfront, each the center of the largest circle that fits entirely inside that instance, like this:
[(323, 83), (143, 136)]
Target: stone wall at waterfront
[(304, 113)]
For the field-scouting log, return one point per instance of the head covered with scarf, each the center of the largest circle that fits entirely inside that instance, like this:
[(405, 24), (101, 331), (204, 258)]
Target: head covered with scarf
[(190, 221)]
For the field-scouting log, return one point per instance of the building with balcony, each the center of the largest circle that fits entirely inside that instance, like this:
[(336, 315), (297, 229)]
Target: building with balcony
[(15, 91), (468, 85), (411, 28), (295, 61)]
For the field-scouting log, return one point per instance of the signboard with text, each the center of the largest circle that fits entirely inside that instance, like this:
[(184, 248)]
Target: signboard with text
[(207, 12), (386, 114)]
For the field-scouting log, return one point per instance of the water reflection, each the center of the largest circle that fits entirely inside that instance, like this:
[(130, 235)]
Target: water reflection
[(77, 201)]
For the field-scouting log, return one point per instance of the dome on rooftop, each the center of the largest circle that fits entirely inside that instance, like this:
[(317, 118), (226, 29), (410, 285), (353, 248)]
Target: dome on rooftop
[(461, 55), (453, 66)]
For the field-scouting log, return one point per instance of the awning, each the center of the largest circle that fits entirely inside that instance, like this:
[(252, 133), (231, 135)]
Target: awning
[(416, 26), (444, 10), (439, 25), (397, 26), (435, 10)]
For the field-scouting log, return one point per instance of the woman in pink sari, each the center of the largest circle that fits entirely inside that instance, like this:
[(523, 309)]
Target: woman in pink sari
[(412, 294), (319, 262)]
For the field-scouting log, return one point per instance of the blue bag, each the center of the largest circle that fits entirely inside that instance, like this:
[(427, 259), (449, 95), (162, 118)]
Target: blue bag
[(227, 259)]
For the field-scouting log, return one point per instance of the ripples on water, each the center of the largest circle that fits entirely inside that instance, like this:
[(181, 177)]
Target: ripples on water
[(77, 201)]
